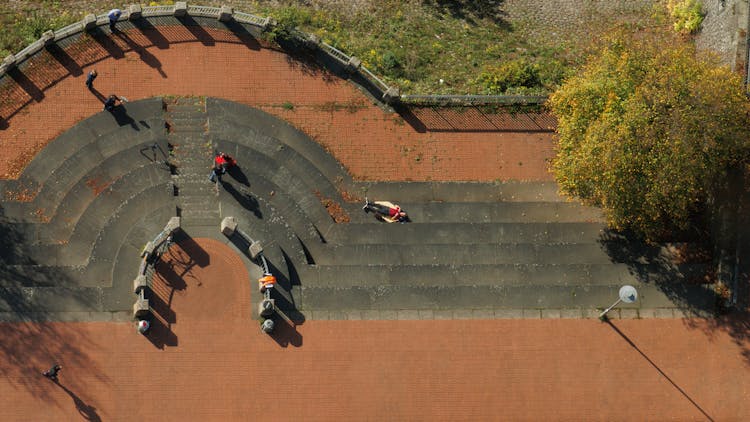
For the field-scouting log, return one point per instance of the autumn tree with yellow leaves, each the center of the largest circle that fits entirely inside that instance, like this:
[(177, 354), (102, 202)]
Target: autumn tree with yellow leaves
[(647, 129)]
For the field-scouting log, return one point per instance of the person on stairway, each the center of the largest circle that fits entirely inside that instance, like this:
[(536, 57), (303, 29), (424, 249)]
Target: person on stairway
[(386, 211), (222, 162)]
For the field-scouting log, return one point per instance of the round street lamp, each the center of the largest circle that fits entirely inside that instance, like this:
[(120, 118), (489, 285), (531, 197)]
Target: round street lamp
[(627, 294)]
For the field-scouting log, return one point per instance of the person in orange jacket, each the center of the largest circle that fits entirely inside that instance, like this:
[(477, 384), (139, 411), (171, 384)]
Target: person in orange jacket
[(268, 281)]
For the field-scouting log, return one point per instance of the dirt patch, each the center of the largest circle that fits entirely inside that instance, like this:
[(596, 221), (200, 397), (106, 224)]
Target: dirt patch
[(333, 208)]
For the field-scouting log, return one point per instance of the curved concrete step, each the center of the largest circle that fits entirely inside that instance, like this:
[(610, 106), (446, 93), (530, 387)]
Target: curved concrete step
[(225, 111), (274, 153), (458, 254), (147, 121), (95, 164), (464, 233), (265, 178), (507, 191), (500, 212), (471, 274), (405, 297)]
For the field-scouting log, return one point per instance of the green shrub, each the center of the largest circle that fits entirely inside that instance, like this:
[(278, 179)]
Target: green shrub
[(687, 15), (513, 74)]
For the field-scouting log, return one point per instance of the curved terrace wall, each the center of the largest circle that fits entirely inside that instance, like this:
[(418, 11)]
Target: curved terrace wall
[(203, 53)]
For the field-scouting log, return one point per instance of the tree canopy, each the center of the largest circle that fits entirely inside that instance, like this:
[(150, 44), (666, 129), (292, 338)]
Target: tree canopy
[(647, 128)]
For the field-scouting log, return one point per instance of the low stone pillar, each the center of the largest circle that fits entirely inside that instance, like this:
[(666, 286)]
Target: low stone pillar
[(312, 41), (226, 13), (392, 95), (353, 64), (9, 62), (180, 9), (266, 307), (48, 38), (148, 249), (173, 224), (89, 22), (141, 308), (228, 226), (267, 326), (135, 12), (140, 283), (268, 23), (255, 249)]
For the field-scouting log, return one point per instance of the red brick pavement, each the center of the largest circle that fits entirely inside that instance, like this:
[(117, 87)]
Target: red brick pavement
[(221, 367), (50, 97)]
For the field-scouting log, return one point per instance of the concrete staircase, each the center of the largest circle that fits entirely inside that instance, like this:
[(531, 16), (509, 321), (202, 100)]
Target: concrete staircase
[(193, 156), (72, 227)]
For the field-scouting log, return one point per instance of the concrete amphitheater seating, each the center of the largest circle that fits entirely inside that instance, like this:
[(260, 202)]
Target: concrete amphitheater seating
[(101, 195)]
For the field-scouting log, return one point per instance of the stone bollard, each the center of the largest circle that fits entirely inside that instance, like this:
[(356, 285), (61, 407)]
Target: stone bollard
[(266, 307), (353, 64), (9, 62), (89, 22), (180, 9), (255, 249), (141, 307), (135, 12), (391, 96), (48, 37), (140, 283), (225, 14), (228, 226), (267, 326)]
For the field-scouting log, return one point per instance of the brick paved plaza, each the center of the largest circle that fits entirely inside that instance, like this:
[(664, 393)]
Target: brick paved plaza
[(206, 358)]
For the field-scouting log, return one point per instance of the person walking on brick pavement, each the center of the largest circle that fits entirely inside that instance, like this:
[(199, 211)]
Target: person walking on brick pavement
[(90, 79), (52, 372), (113, 16)]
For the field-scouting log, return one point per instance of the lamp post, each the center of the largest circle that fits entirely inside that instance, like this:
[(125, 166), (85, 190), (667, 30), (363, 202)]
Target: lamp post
[(628, 294)]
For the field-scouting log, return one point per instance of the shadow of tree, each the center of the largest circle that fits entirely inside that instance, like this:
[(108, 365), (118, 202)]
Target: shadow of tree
[(31, 340), (681, 270)]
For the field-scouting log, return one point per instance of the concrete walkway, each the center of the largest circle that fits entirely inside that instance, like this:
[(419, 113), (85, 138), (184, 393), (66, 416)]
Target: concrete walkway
[(219, 366)]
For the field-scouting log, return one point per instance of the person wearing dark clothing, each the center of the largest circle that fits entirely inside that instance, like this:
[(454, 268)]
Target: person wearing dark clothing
[(52, 372), (113, 16), (90, 79), (111, 102)]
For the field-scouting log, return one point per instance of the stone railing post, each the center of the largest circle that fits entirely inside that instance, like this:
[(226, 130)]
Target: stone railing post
[(180, 9), (89, 22), (135, 12), (225, 14)]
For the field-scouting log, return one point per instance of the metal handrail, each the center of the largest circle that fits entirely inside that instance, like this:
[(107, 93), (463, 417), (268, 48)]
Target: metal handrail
[(475, 99)]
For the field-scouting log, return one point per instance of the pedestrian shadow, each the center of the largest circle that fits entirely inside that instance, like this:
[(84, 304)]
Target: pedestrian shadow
[(143, 53), (246, 200), (64, 59), (103, 38), (120, 113), (633, 345), (87, 411), (98, 94), (238, 175), (26, 84)]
